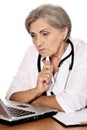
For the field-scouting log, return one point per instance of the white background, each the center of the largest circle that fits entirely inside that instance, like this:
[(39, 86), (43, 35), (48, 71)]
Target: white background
[(14, 38)]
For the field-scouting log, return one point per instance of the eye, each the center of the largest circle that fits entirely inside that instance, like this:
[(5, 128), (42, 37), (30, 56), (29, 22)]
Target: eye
[(32, 35), (45, 33)]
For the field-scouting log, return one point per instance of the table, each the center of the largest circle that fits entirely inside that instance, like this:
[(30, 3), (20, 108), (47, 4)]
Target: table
[(42, 124)]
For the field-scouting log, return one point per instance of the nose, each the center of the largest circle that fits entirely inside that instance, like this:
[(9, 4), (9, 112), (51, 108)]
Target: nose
[(39, 41)]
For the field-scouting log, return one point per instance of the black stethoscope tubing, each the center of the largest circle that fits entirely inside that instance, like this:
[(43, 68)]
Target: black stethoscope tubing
[(70, 54)]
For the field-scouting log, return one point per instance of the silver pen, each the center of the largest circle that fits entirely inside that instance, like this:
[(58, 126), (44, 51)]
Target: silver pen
[(48, 62)]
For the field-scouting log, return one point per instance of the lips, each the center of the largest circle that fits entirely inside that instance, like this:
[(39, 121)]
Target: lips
[(41, 49)]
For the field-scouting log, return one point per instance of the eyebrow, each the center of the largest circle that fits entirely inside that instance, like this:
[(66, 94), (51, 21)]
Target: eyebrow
[(41, 31), (44, 30)]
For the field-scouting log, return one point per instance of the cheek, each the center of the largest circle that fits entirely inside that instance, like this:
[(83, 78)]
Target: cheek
[(55, 44), (55, 47), (34, 42)]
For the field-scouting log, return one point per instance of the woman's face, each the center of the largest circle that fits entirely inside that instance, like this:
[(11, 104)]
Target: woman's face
[(47, 39)]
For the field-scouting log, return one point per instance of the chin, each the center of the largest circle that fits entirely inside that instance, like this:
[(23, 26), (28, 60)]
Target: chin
[(43, 55)]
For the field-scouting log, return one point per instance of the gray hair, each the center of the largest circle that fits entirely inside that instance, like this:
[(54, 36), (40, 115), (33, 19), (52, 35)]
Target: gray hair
[(56, 16)]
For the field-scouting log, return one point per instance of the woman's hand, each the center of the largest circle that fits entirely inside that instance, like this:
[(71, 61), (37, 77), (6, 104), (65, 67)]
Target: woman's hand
[(44, 78)]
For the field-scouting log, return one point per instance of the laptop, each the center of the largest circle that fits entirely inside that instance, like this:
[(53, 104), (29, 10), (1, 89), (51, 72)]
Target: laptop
[(12, 112)]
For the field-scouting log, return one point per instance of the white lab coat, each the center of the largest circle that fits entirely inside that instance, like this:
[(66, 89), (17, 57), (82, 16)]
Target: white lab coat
[(70, 88)]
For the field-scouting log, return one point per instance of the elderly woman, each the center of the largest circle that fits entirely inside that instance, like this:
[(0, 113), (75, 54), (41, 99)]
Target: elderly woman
[(54, 70)]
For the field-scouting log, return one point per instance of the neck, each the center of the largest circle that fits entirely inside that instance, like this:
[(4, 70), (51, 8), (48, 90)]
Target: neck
[(56, 58), (61, 50)]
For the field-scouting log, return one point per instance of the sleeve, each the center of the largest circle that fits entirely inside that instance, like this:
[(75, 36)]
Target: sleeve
[(74, 96), (27, 73)]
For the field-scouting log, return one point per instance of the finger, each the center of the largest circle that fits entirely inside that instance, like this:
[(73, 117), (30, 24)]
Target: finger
[(48, 67), (44, 77)]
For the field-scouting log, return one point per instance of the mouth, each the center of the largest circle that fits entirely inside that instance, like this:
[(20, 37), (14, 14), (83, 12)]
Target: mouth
[(41, 49), (43, 52)]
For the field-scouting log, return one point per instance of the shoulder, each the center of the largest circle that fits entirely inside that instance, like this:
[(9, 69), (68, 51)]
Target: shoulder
[(80, 52), (31, 55), (80, 46), (31, 51), (79, 43)]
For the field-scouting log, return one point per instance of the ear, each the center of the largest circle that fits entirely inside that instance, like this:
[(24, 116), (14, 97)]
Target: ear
[(65, 32)]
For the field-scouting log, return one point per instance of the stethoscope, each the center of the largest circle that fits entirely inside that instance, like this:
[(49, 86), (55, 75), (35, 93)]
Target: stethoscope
[(70, 54)]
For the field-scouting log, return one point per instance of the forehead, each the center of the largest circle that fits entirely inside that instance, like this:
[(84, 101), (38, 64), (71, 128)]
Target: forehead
[(39, 25)]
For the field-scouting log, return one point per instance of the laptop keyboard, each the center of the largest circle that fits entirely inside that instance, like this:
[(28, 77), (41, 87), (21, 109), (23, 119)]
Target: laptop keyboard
[(18, 112)]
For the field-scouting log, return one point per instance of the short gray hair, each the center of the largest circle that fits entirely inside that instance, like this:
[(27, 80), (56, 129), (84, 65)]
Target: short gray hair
[(56, 16)]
